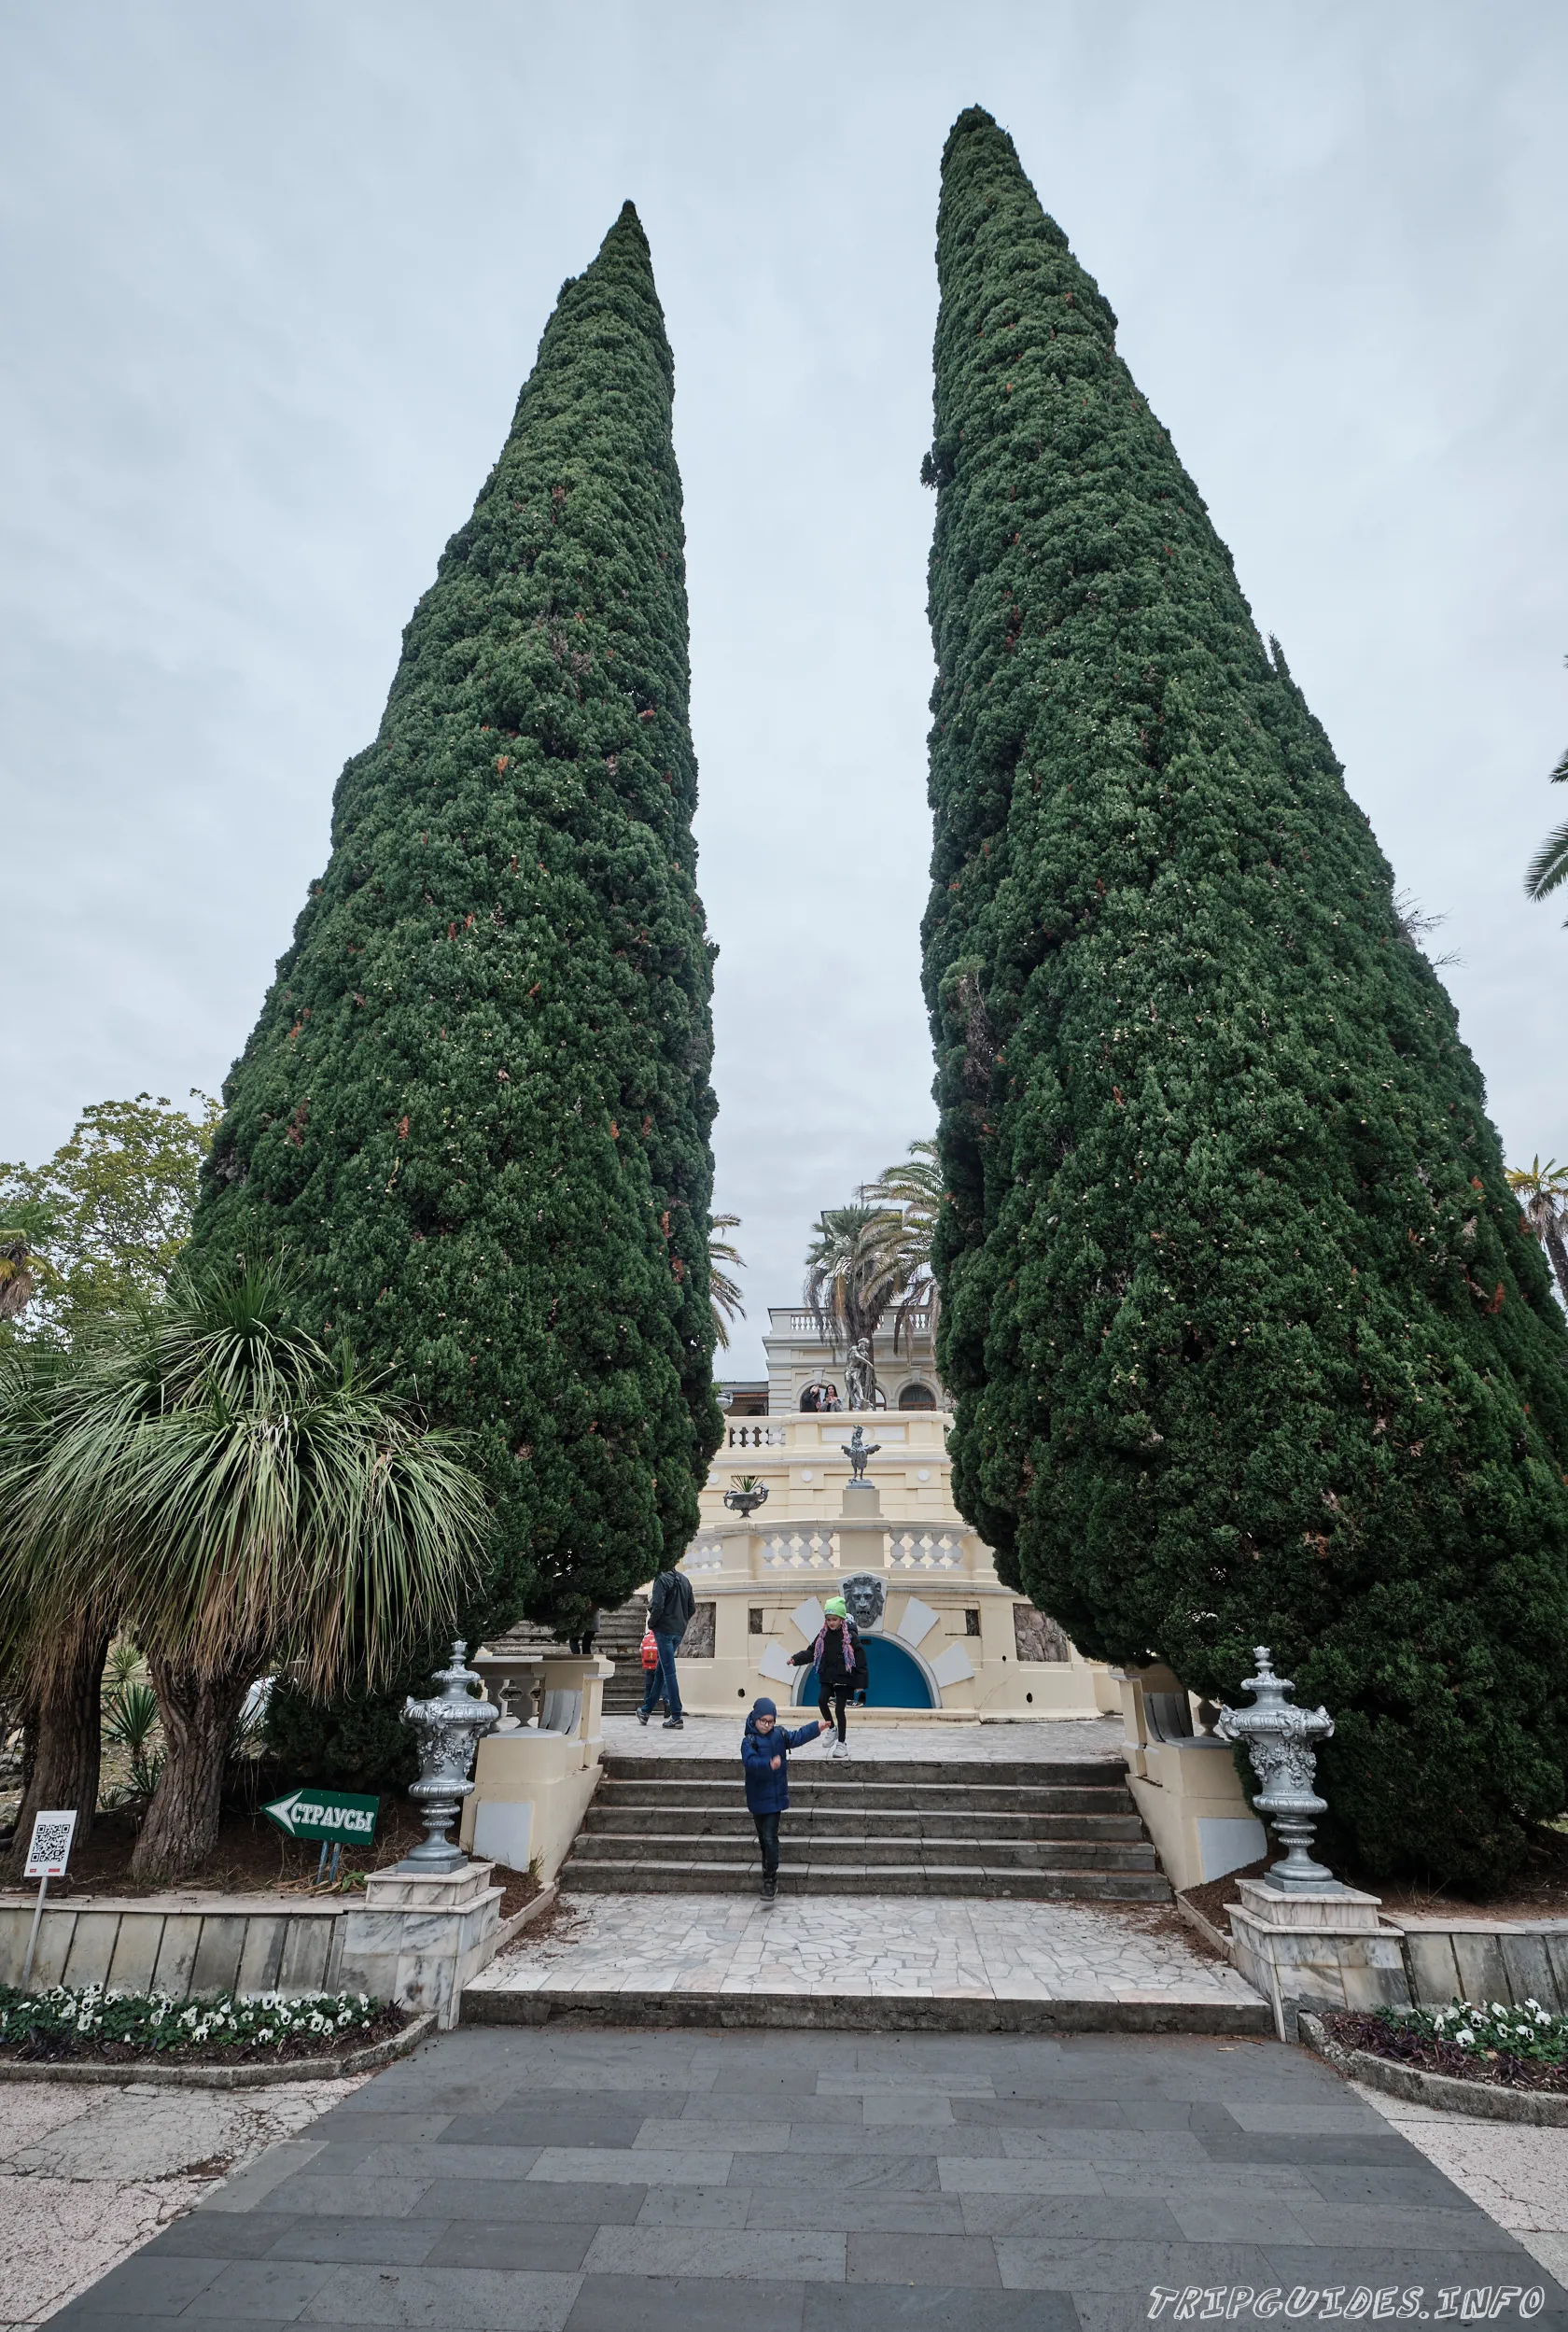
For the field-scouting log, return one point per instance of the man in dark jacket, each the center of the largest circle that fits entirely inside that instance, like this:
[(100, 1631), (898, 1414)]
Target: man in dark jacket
[(765, 1756), (669, 1607)]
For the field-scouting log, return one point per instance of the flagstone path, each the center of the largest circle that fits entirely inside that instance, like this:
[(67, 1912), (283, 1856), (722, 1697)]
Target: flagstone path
[(871, 1946)]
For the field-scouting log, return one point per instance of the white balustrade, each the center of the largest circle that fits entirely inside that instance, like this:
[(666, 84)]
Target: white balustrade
[(925, 1550), (798, 1550), (758, 1437)]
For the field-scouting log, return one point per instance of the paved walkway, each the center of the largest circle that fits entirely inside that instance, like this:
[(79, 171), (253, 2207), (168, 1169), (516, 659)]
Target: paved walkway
[(1519, 2176), (872, 1947), (1070, 1738), (564, 2181), (87, 2174)]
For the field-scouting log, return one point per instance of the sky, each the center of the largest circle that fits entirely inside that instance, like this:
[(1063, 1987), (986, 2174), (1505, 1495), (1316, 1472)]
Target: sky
[(272, 276)]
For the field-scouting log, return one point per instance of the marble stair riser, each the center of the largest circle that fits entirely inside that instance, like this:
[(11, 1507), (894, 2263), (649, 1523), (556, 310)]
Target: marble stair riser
[(826, 1850), (683, 1878), (899, 1773), (811, 1791), (807, 1821)]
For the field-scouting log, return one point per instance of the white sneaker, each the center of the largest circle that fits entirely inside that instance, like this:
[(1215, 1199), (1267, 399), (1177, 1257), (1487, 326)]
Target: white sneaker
[(840, 1748)]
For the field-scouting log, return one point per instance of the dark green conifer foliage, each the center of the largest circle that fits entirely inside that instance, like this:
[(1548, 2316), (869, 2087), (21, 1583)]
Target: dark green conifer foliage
[(1248, 1341), (476, 1106)]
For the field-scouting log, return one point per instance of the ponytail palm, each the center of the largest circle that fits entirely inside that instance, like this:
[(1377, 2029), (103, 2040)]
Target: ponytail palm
[(243, 1503)]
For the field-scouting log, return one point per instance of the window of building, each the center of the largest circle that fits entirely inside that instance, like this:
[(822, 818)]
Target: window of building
[(916, 1396), (754, 1620), (971, 1623)]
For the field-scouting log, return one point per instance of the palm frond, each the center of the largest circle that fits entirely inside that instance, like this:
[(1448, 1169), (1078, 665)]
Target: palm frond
[(723, 1291), (1549, 866), (231, 1492)]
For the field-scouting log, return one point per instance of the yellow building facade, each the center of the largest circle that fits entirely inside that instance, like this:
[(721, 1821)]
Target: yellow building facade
[(943, 1637)]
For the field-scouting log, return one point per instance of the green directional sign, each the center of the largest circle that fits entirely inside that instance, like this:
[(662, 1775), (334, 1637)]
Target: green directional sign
[(339, 1815)]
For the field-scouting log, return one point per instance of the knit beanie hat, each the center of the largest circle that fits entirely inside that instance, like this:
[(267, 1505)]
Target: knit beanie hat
[(763, 1709), (835, 1608)]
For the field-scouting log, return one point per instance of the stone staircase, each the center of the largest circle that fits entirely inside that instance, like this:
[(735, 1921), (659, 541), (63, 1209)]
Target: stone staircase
[(1052, 1832)]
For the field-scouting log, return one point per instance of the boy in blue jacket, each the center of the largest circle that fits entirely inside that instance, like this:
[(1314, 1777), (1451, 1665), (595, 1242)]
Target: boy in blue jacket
[(765, 1754)]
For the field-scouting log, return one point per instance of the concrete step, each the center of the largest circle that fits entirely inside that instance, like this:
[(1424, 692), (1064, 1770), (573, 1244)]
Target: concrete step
[(1081, 1774), (825, 1848), (731, 1820), (834, 1785), (586, 1875)]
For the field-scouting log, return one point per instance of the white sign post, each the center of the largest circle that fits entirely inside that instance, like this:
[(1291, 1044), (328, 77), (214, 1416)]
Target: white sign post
[(47, 1858)]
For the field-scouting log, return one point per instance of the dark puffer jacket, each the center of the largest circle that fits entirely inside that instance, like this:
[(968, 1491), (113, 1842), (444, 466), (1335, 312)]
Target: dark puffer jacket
[(843, 1660)]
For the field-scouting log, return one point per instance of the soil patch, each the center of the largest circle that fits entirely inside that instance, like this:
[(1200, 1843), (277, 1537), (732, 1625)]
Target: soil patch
[(254, 1856), (1539, 1892), (1401, 2044), (82, 2050)]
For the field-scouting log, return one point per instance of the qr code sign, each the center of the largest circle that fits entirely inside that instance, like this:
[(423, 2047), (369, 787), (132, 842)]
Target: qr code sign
[(51, 1849)]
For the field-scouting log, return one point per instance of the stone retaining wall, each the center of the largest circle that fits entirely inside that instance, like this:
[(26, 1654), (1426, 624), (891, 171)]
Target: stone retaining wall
[(1467, 1960), (179, 1945)]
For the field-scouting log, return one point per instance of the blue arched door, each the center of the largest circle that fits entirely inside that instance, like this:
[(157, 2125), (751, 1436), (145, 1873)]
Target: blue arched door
[(896, 1680)]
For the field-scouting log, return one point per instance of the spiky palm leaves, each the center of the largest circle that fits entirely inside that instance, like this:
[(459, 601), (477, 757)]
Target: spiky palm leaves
[(723, 1292), (239, 1501), (1542, 1192), (1549, 866), (908, 1196), (850, 1278)]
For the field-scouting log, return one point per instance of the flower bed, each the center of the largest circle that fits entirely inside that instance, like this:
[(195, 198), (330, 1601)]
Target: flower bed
[(92, 2025), (1509, 2048)]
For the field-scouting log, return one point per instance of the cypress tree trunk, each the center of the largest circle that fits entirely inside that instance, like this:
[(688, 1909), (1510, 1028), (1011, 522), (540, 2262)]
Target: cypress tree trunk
[(1247, 1341), (180, 1831), (67, 1712), (476, 1106)]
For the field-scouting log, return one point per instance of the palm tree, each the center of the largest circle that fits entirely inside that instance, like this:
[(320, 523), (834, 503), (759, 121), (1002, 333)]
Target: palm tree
[(1542, 1192), (53, 1670), (722, 1289), (849, 1279), (240, 1502), (908, 1196)]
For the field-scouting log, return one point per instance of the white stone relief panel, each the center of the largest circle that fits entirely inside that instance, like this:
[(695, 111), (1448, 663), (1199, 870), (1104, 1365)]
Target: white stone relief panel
[(774, 1663), (916, 1623), (952, 1665)]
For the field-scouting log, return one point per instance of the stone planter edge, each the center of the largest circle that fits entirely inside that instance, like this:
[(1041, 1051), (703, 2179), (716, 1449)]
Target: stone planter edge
[(1479, 2101), (370, 2058)]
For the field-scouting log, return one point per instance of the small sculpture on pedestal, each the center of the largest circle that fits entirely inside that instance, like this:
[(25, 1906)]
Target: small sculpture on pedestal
[(859, 1452), (859, 1374), (1279, 1740), (448, 1730), (745, 1495)]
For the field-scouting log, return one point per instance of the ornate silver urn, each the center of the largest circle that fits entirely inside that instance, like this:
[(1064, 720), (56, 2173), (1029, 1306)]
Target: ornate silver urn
[(1278, 1739), (448, 1730), (745, 1495)]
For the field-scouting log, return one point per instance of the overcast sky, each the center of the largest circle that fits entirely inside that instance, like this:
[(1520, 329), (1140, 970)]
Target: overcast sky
[(271, 276)]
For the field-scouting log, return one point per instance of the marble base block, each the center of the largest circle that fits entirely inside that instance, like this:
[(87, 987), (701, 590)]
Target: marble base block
[(1328, 1950), (862, 1500), (419, 1940)]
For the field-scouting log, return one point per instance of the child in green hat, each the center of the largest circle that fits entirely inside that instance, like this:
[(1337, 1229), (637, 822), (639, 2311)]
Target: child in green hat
[(840, 1662)]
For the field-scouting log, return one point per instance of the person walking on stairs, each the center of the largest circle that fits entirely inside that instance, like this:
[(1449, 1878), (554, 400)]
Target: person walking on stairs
[(765, 1756), (670, 1611), (840, 1661)]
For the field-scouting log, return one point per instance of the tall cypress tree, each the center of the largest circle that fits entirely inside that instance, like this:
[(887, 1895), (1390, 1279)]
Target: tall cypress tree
[(476, 1107), (1248, 1340)]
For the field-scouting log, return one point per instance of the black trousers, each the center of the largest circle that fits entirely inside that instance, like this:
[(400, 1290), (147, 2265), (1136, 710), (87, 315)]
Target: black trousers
[(841, 1695), (767, 1839)]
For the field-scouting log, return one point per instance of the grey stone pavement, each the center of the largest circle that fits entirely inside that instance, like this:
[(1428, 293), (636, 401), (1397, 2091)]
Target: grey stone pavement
[(566, 2179)]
